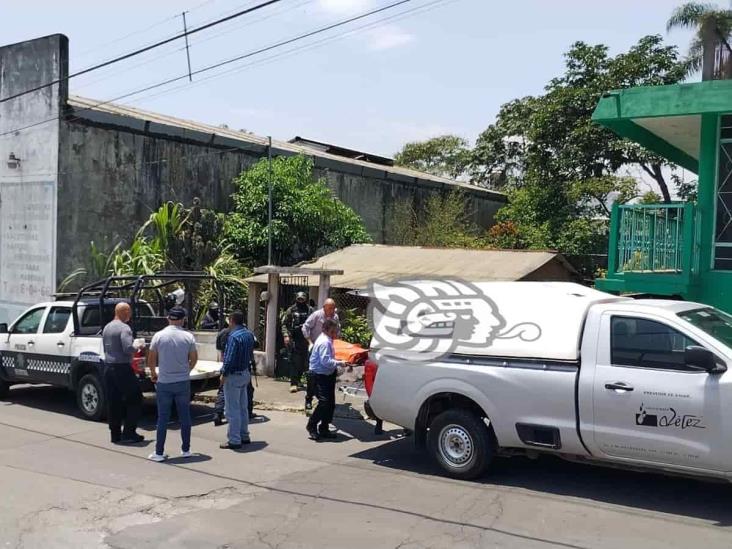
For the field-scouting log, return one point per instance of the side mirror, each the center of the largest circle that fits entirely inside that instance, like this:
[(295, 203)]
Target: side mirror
[(700, 358), (3, 328)]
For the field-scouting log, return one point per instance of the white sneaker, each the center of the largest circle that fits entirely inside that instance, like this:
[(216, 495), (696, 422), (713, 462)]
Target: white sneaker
[(157, 457), (187, 454), (293, 388)]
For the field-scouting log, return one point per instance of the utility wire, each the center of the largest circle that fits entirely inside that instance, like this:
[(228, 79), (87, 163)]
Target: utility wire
[(140, 31), (193, 43), (143, 49), (293, 51), (139, 166), (220, 64)]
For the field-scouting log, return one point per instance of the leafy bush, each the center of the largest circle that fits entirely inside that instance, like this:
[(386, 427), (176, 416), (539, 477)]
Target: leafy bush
[(356, 328)]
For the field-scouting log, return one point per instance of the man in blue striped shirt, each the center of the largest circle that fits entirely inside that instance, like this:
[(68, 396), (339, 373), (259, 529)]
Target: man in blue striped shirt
[(323, 370), (235, 376)]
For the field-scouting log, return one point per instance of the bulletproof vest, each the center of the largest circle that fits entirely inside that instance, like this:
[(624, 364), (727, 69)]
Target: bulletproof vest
[(299, 316)]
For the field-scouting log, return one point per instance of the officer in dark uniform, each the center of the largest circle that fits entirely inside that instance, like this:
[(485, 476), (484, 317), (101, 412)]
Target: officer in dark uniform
[(295, 341)]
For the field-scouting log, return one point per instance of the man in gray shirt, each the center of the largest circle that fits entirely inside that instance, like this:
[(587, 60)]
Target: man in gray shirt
[(171, 357), (123, 389)]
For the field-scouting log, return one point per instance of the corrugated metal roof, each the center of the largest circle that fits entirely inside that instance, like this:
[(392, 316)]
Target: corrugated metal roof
[(91, 106), (362, 263)]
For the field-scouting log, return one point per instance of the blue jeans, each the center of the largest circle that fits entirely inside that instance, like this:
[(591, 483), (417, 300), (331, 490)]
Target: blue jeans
[(237, 410), (166, 394)]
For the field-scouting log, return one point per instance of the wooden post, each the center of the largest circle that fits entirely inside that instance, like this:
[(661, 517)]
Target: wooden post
[(323, 289), (273, 290)]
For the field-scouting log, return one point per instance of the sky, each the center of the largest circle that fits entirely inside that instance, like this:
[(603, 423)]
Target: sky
[(446, 66)]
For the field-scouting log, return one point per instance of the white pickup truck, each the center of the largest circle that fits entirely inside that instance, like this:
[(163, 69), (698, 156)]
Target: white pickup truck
[(558, 368), (49, 344)]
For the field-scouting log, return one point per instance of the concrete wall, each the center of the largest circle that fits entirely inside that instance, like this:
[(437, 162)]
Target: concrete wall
[(112, 179), (116, 170), (107, 171), (28, 191)]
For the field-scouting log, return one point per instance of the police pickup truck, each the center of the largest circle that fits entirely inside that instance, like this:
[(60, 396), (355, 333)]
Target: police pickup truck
[(60, 343), (487, 369)]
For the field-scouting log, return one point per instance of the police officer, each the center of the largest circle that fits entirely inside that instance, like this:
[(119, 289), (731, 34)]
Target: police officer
[(295, 341), (123, 389)]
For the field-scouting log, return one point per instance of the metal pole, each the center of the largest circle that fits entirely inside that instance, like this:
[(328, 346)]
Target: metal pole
[(269, 218), (188, 52)]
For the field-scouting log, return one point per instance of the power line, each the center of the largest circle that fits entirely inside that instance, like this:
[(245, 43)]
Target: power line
[(193, 43), (140, 31), (141, 165), (221, 63), (143, 49), (397, 17)]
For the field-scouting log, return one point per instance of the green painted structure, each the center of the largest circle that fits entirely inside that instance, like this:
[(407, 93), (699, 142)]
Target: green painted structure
[(679, 249)]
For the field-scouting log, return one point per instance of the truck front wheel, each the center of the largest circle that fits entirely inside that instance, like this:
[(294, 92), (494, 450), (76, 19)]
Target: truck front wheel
[(460, 443), (90, 397)]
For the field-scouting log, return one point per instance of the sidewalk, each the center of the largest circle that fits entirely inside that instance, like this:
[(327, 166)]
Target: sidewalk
[(273, 394)]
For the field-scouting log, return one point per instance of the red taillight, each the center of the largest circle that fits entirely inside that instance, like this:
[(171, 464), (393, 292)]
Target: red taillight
[(139, 361), (369, 375)]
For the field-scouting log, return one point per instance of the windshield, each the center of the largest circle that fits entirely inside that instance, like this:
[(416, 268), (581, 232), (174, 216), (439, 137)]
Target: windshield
[(714, 322)]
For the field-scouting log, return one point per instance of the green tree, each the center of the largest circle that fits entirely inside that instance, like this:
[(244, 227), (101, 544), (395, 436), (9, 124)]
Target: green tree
[(307, 220), (444, 156), (558, 166), (712, 25)]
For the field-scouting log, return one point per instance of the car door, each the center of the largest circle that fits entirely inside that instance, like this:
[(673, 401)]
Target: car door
[(51, 360), (647, 404), (21, 341)]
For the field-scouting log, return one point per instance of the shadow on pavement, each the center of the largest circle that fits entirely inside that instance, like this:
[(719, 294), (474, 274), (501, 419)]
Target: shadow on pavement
[(688, 497), (253, 446), (195, 458), (58, 400), (363, 430)]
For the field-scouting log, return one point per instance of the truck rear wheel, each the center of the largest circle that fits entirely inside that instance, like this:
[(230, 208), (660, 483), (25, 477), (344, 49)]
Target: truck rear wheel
[(90, 397), (460, 443)]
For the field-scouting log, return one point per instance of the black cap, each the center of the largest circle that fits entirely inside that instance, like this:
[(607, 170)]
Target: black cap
[(177, 313)]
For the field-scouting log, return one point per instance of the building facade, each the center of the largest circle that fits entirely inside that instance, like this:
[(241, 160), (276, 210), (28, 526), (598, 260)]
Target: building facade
[(75, 170), (680, 250)]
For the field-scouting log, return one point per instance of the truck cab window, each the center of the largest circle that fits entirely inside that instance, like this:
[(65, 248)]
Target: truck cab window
[(57, 319), (28, 323), (647, 344)]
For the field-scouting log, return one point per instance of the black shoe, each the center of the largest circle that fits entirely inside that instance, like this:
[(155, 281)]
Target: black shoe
[(313, 434), (132, 439), (116, 438), (229, 446), (246, 441), (327, 434), (253, 416), (218, 420)]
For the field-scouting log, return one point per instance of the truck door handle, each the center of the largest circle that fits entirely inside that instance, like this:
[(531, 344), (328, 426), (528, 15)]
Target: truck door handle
[(618, 386), (31, 343), (60, 343)]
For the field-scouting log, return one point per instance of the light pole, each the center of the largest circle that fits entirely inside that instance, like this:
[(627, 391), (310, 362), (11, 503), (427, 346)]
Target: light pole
[(269, 217)]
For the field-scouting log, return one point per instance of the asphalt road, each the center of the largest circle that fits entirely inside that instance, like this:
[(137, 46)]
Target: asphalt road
[(62, 484)]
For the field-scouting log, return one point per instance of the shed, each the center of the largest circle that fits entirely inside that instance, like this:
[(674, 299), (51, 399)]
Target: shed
[(362, 263)]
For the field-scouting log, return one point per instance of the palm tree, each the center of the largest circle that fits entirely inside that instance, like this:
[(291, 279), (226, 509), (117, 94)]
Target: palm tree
[(713, 25)]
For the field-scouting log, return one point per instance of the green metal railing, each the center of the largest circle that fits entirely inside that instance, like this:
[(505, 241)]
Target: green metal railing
[(651, 237)]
